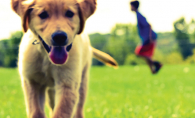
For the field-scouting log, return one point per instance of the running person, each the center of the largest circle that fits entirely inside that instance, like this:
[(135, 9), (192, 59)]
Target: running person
[(148, 38)]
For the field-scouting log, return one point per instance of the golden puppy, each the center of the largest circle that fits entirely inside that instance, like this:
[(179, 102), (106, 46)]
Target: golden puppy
[(59, 65)]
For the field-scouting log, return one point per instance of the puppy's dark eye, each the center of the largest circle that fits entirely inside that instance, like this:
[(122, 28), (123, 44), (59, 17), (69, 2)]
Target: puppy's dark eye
[(69, 14), (44, 15)]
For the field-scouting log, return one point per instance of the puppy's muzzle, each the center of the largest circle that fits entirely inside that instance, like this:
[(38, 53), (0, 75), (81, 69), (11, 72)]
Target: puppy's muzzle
[(58, 51), (59, 38)]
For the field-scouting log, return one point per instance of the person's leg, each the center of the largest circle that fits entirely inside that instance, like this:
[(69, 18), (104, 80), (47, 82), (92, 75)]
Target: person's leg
[(158, 66), (150, 63), (146, 52)]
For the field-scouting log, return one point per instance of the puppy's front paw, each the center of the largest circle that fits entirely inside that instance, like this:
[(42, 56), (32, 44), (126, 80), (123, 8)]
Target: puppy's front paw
[(37, 115)]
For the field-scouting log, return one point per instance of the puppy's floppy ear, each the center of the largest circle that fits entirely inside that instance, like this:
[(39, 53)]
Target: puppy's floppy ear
[(15, 5), (86, 9), (25, 19), (23, 9)]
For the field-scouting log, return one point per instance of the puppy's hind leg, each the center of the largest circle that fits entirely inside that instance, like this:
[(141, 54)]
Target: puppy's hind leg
[(82, 93)]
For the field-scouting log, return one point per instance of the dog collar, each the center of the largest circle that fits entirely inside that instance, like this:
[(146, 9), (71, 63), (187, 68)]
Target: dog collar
[(35, 42), (46, 46), (43, 42)]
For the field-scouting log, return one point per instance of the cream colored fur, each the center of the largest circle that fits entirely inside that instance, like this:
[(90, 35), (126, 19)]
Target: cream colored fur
[(35, 67)]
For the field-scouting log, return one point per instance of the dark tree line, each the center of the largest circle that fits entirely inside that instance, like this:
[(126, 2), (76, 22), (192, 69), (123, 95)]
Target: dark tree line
[(9, 50), (182, 36), (120, 43)]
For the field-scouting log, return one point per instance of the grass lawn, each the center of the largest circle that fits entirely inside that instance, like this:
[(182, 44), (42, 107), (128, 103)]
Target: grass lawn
[(128, 92)]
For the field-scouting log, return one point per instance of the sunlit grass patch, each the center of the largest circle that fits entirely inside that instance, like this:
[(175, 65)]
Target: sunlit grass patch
[(128, 92)]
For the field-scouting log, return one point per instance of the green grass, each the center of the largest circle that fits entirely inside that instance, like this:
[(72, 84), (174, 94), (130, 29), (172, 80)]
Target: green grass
[(128, 92)]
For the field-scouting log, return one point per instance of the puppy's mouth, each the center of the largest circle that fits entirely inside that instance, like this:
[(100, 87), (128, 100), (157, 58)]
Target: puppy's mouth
[(57, 54)]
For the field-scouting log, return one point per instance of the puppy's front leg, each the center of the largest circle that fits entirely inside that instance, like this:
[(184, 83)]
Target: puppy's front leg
[(65, 102), (34, 97)]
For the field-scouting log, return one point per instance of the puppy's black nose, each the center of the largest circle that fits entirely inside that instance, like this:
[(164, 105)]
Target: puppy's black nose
[(59, 38)]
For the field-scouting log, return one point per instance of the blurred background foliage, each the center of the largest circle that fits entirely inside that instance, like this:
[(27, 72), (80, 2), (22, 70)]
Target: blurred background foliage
[(177, 47), (9, 50)]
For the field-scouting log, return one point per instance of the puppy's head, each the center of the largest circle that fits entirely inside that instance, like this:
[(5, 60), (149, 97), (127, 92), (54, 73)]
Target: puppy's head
[(55, 22)]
